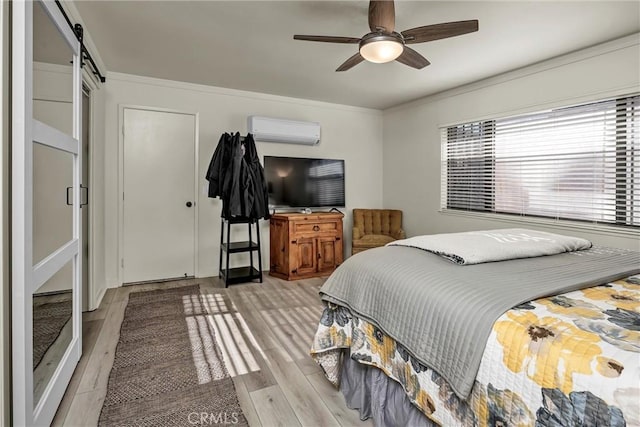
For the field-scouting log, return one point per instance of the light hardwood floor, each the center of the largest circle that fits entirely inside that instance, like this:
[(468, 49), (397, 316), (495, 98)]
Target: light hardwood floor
[(264, 331)]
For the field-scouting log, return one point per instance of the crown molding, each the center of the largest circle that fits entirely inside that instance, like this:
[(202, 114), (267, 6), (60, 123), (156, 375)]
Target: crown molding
[(194, 87), (539, 67)]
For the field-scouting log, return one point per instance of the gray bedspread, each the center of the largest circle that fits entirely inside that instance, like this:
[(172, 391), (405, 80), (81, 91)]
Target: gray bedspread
[(443, 313)]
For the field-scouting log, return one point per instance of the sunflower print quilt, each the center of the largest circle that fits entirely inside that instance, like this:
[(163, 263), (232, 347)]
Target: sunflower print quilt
[(567, 360)]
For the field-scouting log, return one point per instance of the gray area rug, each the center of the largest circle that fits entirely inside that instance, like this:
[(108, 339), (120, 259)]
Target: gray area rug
[(50, 314), (168, 370)]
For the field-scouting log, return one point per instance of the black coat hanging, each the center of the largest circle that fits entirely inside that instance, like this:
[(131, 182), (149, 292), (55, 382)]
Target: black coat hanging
[(237, 177)]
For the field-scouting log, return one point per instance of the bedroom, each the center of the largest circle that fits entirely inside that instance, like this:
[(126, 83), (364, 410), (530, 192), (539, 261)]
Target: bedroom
[(383, 120)]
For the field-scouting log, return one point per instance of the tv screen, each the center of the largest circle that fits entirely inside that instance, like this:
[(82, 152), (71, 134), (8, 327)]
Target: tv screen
[(304, 183)]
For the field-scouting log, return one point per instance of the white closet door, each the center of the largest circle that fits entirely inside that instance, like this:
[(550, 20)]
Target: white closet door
[(159, 195), (46, 223)]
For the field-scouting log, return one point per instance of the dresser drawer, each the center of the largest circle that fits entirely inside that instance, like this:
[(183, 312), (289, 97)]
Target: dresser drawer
[(315, 227)]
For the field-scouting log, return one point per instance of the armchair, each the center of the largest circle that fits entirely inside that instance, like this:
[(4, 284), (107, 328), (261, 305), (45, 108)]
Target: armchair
[(375, 227)]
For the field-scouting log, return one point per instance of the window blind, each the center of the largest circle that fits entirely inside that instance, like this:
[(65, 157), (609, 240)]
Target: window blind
[(580, 163), (327, 183)]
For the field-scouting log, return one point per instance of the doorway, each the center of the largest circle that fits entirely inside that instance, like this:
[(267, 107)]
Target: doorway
[(85, 202), (159, 165)]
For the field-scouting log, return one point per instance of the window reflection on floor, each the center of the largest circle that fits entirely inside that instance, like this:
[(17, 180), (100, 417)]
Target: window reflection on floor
[(235, 343)]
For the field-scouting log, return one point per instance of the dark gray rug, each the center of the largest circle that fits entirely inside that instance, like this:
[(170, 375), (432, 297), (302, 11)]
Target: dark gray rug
[(50, 314), (168, 370)]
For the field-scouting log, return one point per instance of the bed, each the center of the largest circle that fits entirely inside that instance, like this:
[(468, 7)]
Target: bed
[(402, 335)]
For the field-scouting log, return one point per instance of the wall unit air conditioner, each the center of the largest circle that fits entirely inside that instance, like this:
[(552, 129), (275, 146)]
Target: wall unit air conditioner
[(278, 130)]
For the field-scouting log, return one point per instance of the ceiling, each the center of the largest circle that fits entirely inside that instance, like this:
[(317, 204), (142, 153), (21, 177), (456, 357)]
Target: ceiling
[(249, 45)]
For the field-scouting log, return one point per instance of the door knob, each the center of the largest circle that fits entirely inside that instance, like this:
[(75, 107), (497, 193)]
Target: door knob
[(189, 204)]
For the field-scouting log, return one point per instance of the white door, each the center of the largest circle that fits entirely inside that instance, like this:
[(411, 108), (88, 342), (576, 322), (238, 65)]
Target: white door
[(159, 155), (46, 221)]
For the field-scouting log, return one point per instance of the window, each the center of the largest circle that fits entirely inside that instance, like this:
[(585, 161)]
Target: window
[(579, 163)]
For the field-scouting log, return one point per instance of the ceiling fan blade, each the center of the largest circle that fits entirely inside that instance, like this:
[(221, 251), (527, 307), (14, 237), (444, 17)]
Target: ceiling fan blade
[(439, 31), (351, 62), (412, 58), (327, 39), (382, 14)]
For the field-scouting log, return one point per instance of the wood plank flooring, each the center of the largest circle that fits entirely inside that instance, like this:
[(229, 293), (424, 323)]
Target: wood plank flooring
[(264, 332)]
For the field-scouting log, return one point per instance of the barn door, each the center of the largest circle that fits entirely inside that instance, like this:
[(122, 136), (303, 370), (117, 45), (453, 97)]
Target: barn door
[(46, 219)]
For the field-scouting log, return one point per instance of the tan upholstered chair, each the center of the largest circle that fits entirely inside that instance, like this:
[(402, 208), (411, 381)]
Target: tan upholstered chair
[(375, 227)]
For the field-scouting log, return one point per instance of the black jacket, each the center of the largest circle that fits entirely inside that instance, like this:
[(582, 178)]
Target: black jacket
[(258, 196), (237, 177), (215, 173)]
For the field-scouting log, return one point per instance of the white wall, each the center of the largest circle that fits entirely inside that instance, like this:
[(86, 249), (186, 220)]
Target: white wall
[(412, 137), (350, 133)]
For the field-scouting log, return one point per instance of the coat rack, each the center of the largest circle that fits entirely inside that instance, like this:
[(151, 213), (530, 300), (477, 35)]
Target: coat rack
[(237, 177)]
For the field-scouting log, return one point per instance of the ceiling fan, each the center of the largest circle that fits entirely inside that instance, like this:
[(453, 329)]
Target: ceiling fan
[(383, 44)]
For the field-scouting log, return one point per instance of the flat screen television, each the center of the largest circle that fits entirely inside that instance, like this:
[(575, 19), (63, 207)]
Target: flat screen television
[(294, 182)]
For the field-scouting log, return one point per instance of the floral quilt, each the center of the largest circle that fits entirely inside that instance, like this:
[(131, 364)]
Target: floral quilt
[(568, 360)]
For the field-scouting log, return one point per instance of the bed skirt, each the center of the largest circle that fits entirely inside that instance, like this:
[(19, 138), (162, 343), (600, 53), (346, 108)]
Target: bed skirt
[(376, 396)]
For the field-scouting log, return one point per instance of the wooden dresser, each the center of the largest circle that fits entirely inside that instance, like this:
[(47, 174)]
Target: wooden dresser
[(305, 245)]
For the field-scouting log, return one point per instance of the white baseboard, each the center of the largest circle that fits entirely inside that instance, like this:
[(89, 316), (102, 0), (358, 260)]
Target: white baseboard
[(98, 300)]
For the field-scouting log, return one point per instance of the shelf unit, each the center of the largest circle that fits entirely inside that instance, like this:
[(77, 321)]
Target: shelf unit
[(239, 274)]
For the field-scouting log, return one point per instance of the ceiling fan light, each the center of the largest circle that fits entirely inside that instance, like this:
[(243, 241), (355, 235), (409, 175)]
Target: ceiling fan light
[(381, 51)]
